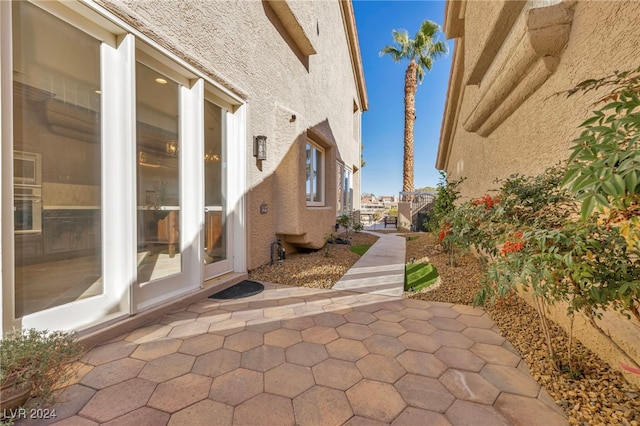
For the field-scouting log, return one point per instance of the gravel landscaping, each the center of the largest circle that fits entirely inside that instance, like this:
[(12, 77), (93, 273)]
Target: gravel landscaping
[(598, 395)]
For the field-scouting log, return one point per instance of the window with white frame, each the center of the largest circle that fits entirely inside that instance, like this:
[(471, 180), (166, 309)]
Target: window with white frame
[(314, 164), (344, 191)]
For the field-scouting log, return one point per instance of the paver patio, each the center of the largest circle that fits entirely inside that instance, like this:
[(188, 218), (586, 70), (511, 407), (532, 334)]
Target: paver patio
[(301, 356)]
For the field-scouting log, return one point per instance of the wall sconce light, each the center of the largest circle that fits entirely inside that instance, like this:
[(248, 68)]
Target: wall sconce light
[(260, 147), (172, 148)]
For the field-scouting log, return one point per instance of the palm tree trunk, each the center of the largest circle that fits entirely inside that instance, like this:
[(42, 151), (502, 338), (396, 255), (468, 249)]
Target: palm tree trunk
[(410, 87)]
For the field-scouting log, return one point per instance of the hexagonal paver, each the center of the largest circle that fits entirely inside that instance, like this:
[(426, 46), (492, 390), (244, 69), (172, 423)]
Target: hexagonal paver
[(167, 367), (412, 416), (149, 333), (217, 363), (264, 325), (476, 321), (329, 319), (449, 324), (109, 352), (395, 305), (347, 349), (384, 345), (282, 337), (511, 380), (495, 354), (445, 310), (237, 386), (423, 392), (214, 316), (452, 338), (378, 367), (470, 413), (203, 413), (469, 386), (416, 313), (359, 317), (200, 345), (180, 392), (123, 397), (156, 349), (113, 372), (417, 326), (288, 380), (387, 328), (265, 409), (362, 421), (354, 331), (192, 328), (321, 406), (300, 323), (376, 400), (517, 407), (484, 336), (461, 359), (141, 416), (227, 327), (306, 354), (319, 334), (262, 358), (175, 319), (336, 374), (422, 363), (391, 316), (243, 341), (419, 342)]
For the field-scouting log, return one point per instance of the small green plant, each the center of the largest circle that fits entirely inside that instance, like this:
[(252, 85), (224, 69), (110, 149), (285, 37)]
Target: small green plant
[(329, 238), (37, 360), (358, 227), (345, 221)]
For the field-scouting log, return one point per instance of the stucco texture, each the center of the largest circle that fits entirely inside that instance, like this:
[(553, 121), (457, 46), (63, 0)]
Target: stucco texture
[(603, 37), (246, 47), (550, 47)]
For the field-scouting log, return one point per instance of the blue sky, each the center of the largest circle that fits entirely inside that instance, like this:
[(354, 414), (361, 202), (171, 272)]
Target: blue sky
[(383, 123)]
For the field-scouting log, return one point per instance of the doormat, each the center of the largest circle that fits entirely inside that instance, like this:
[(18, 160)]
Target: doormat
[(244, 288)]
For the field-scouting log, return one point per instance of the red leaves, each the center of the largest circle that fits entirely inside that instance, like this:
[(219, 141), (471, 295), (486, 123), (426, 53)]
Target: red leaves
[(513, 246), (446, 230), (487, 201)]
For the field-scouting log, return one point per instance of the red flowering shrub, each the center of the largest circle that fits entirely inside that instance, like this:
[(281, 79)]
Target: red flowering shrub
[(487, 201), (446, 230), (511, 247)]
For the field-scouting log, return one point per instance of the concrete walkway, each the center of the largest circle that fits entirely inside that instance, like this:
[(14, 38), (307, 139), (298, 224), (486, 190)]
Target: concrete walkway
[(380, 270), (303, 356)]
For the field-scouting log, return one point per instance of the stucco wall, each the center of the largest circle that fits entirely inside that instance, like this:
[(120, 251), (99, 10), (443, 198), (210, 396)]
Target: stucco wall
[(245, 46), (604, 36)]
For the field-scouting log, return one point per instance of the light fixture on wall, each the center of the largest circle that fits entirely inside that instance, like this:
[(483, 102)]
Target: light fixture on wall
[(172, 148), (260, 147)]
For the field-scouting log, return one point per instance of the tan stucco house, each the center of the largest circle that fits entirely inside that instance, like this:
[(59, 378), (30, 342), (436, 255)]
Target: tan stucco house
[(510, 58), (503, 115), (153, 151)]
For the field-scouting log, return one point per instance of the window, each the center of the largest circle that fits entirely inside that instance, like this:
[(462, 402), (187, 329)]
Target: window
[(314, 174), (344, 203), (57, 147)]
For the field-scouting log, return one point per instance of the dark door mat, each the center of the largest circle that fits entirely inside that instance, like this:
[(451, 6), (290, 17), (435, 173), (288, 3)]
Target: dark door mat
[(244, 288)]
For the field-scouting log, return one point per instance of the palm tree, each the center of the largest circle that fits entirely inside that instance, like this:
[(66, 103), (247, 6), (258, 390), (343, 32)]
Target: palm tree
[(421, 52)]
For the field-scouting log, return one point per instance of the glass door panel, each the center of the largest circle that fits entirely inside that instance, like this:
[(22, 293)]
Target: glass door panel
[(158, 175), (215, 200), (57, 162)]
